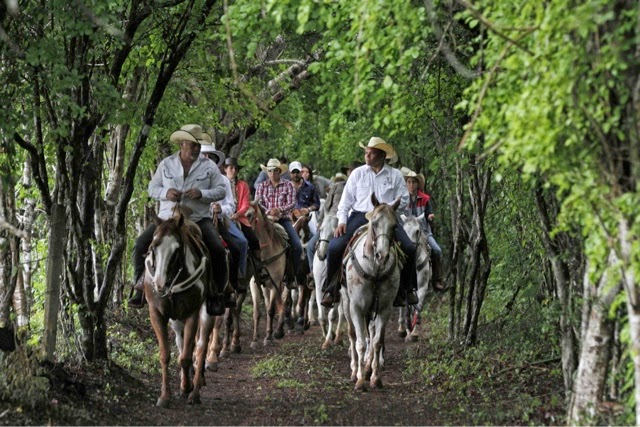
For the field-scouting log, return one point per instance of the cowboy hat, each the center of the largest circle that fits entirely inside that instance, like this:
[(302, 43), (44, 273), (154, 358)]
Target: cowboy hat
[(417, 176), (209, 148), (232, 161), (274, 163), (404, 171), (379, 144), (191, 133), (353, 165), (339, 177)]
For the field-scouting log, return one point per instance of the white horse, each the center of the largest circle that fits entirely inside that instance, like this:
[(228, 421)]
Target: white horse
[(410, 321), (329, 224), (373, 278)]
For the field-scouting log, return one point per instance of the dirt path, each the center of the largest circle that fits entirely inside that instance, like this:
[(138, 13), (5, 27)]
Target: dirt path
[(292, 382)]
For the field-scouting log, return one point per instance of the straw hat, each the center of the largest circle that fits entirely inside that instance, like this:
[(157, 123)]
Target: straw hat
[(404, 171), (417, 176), (339, 177), (274, 163), (191, 133), (379, 144)]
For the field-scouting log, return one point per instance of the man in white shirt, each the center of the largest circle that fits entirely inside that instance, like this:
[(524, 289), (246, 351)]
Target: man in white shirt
[(388, 184), (190, 179)]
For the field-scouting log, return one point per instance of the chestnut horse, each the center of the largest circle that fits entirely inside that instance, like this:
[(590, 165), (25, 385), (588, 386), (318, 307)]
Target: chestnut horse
[(273, 247), (177, 271), (373, 278)]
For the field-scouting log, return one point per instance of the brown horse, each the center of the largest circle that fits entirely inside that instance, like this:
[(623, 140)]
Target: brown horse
[(273, 246), (177, 271)]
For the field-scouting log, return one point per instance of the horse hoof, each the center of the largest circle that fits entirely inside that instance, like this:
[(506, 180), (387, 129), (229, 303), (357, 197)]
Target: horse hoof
[(402, 334), (237, 349), (326, 345), (211, 366), (377, 383), (162, 403), (353, 379), (254, 344), (195, 399), (361, 385), (224, 354)]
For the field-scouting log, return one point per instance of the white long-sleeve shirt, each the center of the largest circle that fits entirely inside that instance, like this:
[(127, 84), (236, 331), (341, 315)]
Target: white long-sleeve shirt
[(388, 185), (227, 205), (203, 175)]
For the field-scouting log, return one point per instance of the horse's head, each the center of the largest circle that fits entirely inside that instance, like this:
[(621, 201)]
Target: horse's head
[(382, 228), (329, 224), (166, 258), (413, 228)]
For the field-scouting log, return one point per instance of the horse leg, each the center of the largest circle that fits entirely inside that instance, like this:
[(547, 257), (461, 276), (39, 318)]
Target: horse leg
[(299, 327), (226, 340), (237, 312), (255, 299), (269, 302), (160, 328), (358, 321), (402, 324), (351, 332), (214, 346), (281, 301), (377, 344), (186, 355), (341, 320), (205, 327), (329, 335)]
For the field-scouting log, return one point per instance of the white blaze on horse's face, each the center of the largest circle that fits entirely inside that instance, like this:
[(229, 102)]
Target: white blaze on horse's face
[(413, 229), (382, 226), (157, 261), (329, 224)]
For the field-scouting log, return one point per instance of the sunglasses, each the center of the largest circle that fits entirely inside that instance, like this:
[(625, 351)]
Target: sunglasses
[(273, 170)]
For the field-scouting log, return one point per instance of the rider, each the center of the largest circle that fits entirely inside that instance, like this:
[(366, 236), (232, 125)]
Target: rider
[(278, 197), (330, 205), (190, 179), (307, 199), (418, 205), (241, 195), (387, 184), (229, 231)]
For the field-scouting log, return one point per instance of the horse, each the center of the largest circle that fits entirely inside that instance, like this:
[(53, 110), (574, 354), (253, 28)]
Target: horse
[(410, 320), (327, 228), (177, 272), (273, 249), (301, 295), (373, 278)]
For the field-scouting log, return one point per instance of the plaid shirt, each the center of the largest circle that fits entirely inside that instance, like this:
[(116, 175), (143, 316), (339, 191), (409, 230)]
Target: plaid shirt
[(283, 196)]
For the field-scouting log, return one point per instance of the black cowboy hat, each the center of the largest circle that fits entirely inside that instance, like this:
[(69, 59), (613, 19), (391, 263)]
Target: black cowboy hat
[(352, 166), (232, 161)]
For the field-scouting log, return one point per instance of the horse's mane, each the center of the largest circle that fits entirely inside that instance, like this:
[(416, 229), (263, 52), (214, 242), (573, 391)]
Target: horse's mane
[(184, 229), (268, 224)]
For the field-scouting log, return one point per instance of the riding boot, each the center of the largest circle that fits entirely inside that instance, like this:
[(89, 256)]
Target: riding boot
[(436, 263), (331, 292), (240, 287), (261, 273), (137, 300)]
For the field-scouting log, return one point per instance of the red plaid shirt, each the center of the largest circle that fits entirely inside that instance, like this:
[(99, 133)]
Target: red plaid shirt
[(283, 196)]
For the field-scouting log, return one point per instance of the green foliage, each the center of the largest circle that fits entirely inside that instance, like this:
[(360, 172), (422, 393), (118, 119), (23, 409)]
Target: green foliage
[(21, 380)]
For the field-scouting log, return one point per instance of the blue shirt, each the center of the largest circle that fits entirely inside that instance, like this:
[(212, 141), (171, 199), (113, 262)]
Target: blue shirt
[(307, 196)]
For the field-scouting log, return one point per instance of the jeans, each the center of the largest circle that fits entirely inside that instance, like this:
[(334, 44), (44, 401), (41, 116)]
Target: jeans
[(311, 249), (408, 277), (294, 241)]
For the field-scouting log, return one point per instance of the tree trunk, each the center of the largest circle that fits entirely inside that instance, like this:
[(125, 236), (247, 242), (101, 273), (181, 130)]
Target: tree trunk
[(591, 376), (55, 265)]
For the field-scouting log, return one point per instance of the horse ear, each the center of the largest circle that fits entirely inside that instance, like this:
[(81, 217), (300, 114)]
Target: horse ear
[(395, 204), (421, 217), (403, 217), (374, 200)]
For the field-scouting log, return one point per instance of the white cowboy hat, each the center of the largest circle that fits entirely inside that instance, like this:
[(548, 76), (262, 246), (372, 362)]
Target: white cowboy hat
[(404, 170), (379, 144), (339, 177), (417, 176), (191, 133), (274, 163), (208, 147)]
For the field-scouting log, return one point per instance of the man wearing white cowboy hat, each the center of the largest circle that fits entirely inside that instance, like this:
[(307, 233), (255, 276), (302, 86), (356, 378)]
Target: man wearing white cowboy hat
[(387, 183), (188, 178), (278, 197), (418, 205), (229, 231)]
